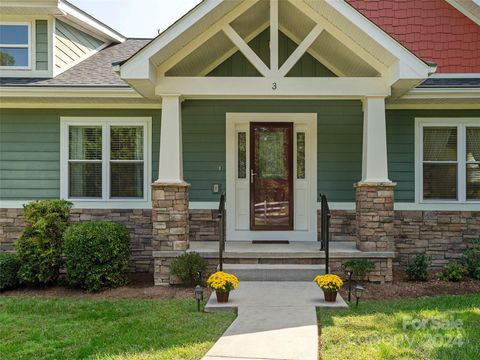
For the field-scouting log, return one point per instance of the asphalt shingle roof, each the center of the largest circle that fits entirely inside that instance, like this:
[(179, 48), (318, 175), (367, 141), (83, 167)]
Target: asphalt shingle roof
[(96, 71), (451, 83)]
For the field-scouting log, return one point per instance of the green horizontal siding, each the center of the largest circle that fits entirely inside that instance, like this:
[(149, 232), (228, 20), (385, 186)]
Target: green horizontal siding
[(401, 146), (339, 142), (30, 149), (238, 65), (41, 44)]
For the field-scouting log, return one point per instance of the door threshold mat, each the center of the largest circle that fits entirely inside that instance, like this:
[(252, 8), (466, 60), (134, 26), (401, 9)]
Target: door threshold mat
[(270, 242)]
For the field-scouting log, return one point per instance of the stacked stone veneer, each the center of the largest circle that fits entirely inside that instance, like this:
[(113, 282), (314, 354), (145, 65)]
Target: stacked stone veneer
[(375, 216), (343, 226), (204, 225), (170, 218), (442, 235), (137, 221)]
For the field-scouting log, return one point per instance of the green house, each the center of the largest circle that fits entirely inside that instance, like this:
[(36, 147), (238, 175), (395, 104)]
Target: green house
[(270, 102)]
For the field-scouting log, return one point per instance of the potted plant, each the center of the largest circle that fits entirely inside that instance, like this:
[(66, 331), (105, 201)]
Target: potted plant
[(330, 284), (222, 283)]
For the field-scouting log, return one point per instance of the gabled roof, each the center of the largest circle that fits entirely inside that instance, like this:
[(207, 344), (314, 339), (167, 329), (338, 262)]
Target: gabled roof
[(432, 29)]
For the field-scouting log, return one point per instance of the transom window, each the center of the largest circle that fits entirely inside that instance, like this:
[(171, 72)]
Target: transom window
[(449, 160), (15, 45), (107, 159)]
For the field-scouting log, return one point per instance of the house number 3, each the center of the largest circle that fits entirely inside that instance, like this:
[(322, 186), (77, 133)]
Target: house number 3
[(274, 86)]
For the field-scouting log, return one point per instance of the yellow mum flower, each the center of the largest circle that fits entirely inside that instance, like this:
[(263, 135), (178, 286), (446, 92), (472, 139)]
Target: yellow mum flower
[(222, 281), (329, 282)]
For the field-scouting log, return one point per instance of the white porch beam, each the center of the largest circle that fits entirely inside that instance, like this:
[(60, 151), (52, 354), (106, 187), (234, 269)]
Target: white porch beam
[(246, 50), (237, 87), (274, 35), (300, 50), (170, 168), (374, 156)]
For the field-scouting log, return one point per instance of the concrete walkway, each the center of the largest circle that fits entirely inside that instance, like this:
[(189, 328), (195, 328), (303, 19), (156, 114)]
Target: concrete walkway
[(276, 320)]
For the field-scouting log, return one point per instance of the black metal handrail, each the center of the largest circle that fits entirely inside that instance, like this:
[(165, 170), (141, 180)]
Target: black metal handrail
[(325, 229), (221, 232)]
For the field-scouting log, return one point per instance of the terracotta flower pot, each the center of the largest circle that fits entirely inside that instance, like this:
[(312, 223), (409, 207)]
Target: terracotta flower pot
[(222, 296), (330, 296)]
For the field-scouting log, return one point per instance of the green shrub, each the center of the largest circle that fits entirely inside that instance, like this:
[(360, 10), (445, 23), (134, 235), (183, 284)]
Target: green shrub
[(96, 254), (359, 267), (9, 266), (39, 246), (471, 259), (453, 272), (417, 268), (188, 266)]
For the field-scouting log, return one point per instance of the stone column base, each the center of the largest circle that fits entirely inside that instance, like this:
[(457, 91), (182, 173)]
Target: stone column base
[(170, 224), (375, 216)]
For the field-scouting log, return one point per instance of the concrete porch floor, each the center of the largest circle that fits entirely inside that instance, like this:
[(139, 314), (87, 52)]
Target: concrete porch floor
[(297, 249)]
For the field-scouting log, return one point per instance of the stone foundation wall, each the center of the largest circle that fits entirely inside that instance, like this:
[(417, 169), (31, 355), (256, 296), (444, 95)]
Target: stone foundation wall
[(382, 273), (442, 235), (137, 221), (204, 225), (343, 226)]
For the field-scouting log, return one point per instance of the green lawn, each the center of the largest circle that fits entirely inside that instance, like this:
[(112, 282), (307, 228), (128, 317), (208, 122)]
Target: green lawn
[(72, 328), (444, 327)]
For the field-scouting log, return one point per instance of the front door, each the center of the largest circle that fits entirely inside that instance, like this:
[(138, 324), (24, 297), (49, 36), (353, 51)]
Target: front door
[(271, 176)]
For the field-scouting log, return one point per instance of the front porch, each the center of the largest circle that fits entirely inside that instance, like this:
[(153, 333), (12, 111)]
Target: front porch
[(293, 261)]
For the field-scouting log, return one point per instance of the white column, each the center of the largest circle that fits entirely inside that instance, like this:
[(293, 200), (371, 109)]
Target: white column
[(170, 169), (374, 159)]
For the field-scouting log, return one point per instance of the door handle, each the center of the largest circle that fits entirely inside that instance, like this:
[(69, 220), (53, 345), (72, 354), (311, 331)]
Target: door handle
[(252, 174)]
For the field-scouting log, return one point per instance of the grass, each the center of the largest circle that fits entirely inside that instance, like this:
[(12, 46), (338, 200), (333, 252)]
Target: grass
[(444, 327), (72, 328)]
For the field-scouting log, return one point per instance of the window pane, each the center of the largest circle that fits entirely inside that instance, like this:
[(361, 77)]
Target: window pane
[(242, 155), (13, 56), (473, 144), (14, 34), (85, 142), (126, 143), (440, 181), (300, 155), (440, 144), (473, 181), (85, 179), (126, 180)]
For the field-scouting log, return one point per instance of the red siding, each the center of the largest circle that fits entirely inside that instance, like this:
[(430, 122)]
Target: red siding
[(432, 29)]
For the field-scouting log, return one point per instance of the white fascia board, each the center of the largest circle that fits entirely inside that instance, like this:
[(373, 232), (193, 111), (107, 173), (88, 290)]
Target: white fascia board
[(89, 22), (416, 67), (130, 69), (68, 92), (472, 16), (429, 93), (456, 76)]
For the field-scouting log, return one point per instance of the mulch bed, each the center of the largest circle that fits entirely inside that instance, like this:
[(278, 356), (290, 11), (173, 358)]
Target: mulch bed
[(401, 288), (141, 287)]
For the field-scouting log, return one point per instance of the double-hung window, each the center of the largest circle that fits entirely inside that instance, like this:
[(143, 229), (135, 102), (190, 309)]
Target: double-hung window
[(105, 159), (15, 45), (449, 160)]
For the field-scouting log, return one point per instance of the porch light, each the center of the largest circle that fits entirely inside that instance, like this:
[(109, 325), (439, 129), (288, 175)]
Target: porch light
[(359, 289), (198, 295)]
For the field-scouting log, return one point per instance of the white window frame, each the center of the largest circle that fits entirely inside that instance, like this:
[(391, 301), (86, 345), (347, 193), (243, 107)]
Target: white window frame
[(106, 122), (20, 46), (461, 124)]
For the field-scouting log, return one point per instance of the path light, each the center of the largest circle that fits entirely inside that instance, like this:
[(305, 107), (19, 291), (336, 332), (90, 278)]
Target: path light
[(359, 292), (349, 275), (198, 295)]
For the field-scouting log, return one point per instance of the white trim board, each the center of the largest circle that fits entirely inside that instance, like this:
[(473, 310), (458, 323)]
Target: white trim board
[(238, 228)]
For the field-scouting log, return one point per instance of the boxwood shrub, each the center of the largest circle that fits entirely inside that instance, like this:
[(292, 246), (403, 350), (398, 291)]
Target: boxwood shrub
[(96, 254), (9, 266), (190, 268), (39, 246)]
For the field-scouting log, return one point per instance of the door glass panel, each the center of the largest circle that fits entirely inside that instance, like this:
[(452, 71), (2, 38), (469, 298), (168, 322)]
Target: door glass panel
[(271, 176), (242, 155), (300, 155)]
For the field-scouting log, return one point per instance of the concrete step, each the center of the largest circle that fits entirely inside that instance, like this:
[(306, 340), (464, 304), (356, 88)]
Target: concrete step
[(274, 272)]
